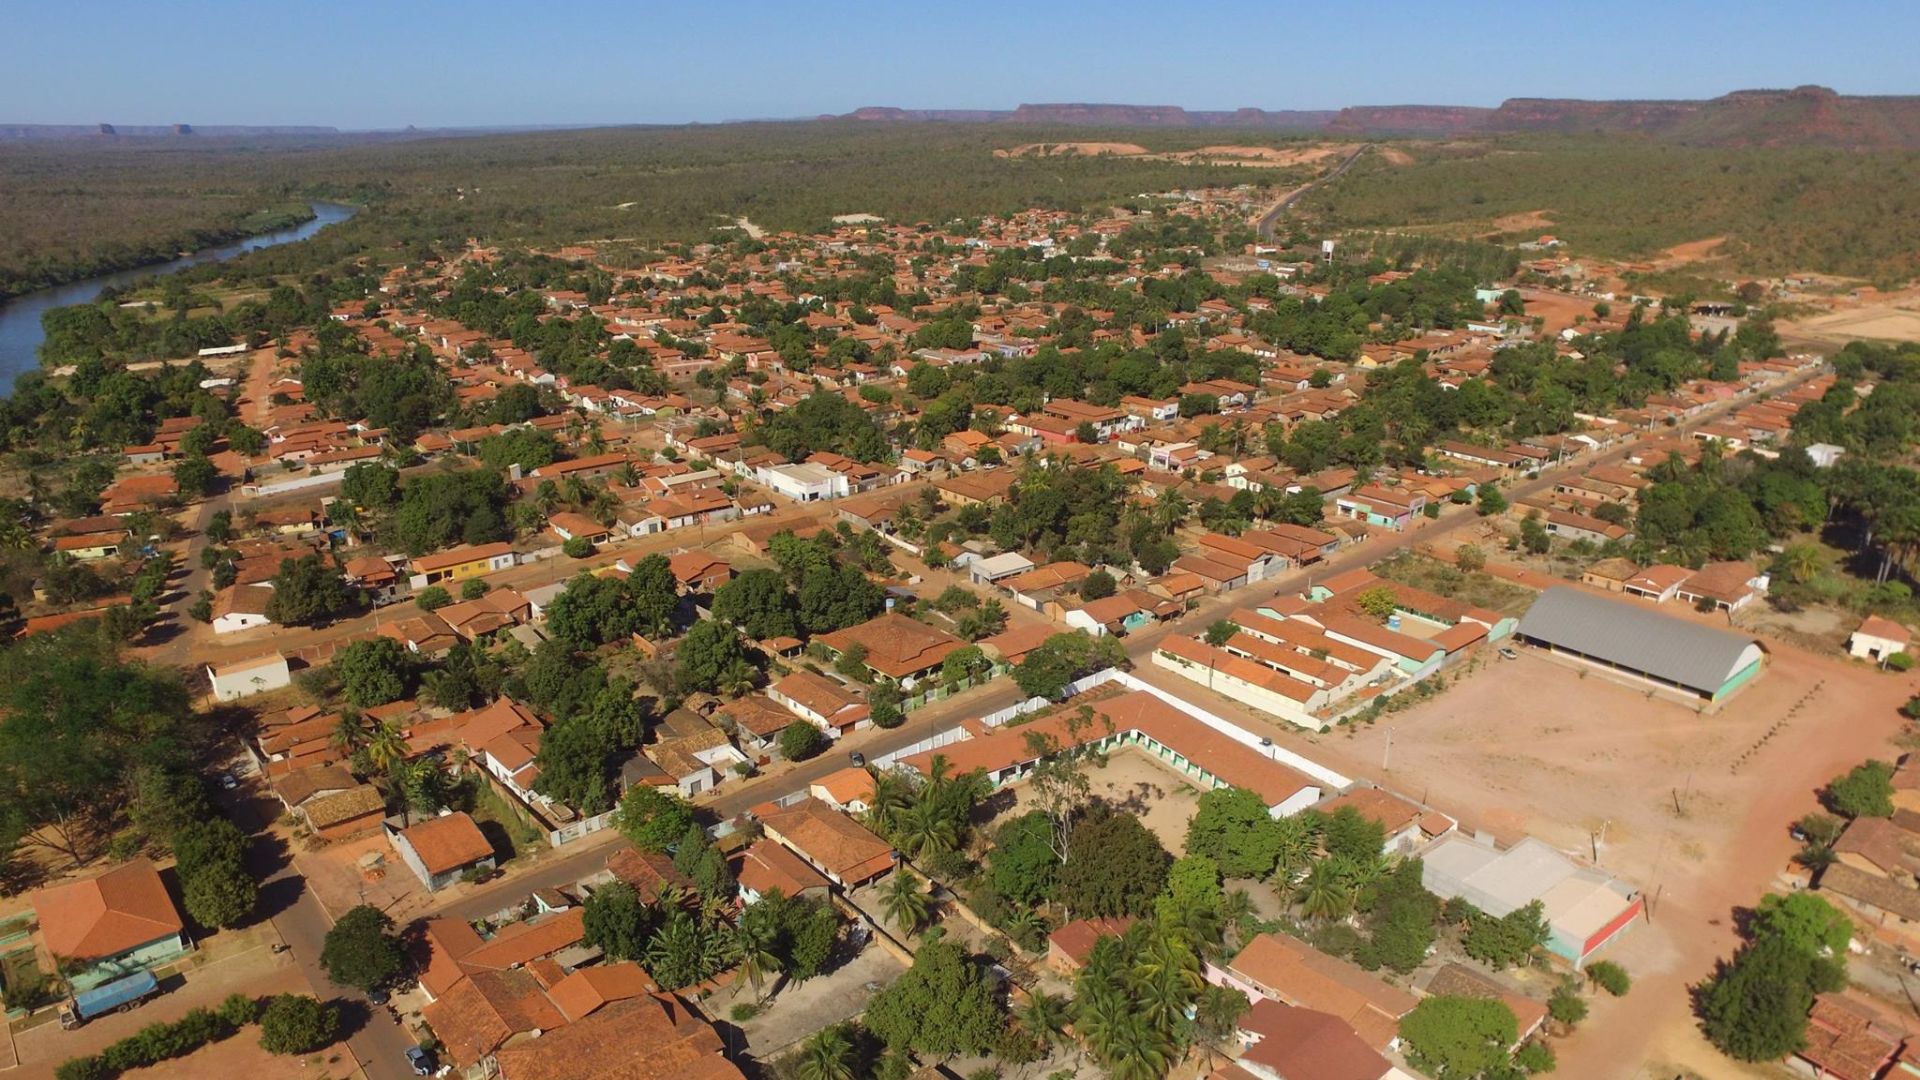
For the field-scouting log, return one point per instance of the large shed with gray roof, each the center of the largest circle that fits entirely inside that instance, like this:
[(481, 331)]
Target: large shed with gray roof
[(1643, 643)]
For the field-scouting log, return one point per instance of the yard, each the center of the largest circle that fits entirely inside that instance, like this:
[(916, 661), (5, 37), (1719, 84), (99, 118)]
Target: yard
[(1163, 800), (800, 1009), (1478, 588)]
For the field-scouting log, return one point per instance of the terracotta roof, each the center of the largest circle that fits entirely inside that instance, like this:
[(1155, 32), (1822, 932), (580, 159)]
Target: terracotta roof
[(1458, 980), (1076, 939), (448, 842), (1305, 1044), (447, 942), (833, 842), (851, 784), (1875, 626), (645, 1038), (102, 917), (1850, 1039), (896, 645), (481, 1012), (766, 867), (1293, 972), (360, 801), (586, 990), (525, 942), (649, 872)]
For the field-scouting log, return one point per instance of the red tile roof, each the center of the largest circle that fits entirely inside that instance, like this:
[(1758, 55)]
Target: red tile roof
[(102, 917)]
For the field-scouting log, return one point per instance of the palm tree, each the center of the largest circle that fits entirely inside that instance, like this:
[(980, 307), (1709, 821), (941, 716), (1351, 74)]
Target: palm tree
[(1235, 907), (1044, 1017), (904, 901), (1169, 510), (757, 961), (1325, 894), (892, 796), (350, 732), (386, 746), (1800, 563), (925, 831), (827, 1056), (1294, 844), (629, 475)]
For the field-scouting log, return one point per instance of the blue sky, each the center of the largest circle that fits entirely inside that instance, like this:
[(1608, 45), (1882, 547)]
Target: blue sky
[(363, 65)]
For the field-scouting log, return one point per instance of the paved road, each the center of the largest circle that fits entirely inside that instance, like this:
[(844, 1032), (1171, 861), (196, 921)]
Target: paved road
[(378, 1042), (589, 857), (1264, 227)]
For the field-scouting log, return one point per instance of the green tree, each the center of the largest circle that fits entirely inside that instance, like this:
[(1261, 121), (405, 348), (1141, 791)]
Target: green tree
[(1507, 940), (1458, 1036), (432, 597), (758, 602), (1755, 1008), (1021, 864), (297, 1024), (1566, 1006), (1378, 602), (942, 1006), (617, 921), (1054, 663), (800, 740), (651, 819), (307, 591), (1805, 921), (1097, 586), (1492, 502), (1221, 632), (1470, 557), (1610, 977), (474, 588), (373, 672), (1115, 867), (1232, 826), (1866, 790), (653, 596), (210, 856), (361, 950), (712, 659)]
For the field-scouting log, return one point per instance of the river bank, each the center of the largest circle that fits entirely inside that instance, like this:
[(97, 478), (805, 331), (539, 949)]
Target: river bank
[(20, 329)]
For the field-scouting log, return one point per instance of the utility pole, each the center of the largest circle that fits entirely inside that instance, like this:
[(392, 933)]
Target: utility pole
[(1386, 756)]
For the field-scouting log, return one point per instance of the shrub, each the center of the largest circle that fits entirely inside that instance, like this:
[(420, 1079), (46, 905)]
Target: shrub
[(578, 547), (1566, 1006), (744, 1011), (473, 588), (431, 597), (1610, 977), (1535, 1057), (1900, 661), (800, 740), (297, 1024), (239, 1010), (83, 1068)]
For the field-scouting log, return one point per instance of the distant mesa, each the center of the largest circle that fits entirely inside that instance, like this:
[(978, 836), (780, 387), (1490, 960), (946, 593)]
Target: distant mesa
[(148, 131)]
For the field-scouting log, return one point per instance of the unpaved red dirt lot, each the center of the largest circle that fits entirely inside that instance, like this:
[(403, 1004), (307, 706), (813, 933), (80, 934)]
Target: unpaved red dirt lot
[(1694, 807)]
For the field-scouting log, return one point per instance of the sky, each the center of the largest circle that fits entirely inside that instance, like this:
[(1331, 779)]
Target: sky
[(483, 63)]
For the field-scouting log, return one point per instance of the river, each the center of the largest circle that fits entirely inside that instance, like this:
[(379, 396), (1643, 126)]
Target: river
[(20, 333)]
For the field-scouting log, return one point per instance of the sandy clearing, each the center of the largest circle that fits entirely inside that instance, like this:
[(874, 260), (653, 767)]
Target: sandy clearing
[(1524, 222), (1395, 156), (1086, 148), (1878, 322), (1692, 251)]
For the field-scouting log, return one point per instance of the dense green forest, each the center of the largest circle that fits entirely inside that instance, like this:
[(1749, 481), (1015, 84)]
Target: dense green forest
[(76, 209), (1783, 210)]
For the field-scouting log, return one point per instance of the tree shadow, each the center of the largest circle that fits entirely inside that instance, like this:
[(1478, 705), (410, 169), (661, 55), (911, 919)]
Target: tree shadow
[(355, 1015)]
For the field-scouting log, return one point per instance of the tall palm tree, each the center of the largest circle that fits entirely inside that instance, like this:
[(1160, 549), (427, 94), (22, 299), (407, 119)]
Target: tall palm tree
[(757, 962), (1235, 908), (1294, 851), (629, 475), (827, 1056), (926, 832), (892, 796), (904, 901)]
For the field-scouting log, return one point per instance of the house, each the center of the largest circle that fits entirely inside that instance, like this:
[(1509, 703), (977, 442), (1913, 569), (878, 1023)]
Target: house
[(572, 526), (442, 849), (1658, 583), (461, 563), (849, 790), (239, 678), (840, 848), (1407, 825), (691, 752), (1459, 980), (1878, 638), (900, 648), (992, 569), (1287, 1042), (112, 925), (699, 572), (1285, 969), (241, 607), (1723, 586), (766, 867), (805, 482), (1385, 507), (1070, 945)]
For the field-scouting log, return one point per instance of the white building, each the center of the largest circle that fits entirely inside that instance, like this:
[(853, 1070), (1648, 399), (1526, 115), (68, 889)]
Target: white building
[(804, 482), (254, 676), (1878, 639)]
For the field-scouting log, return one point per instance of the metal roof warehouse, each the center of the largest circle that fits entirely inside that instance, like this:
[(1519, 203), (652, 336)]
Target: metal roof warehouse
[(1643, 643)]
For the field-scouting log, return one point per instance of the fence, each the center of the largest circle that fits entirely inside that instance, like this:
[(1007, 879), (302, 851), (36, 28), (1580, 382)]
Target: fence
[(568, 833), (931, 742)]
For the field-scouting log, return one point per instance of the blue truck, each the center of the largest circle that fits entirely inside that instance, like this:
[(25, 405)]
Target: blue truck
[(108, 997)]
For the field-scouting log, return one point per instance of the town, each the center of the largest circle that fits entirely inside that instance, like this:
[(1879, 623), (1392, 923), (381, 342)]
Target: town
[(1137, 642)]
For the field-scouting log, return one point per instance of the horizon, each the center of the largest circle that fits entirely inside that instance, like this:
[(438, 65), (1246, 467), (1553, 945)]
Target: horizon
[(365, 68)]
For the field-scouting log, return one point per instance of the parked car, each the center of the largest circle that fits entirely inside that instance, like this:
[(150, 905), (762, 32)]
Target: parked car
[(1509, 654), (421, 1062), (228, 781), (857, 758)]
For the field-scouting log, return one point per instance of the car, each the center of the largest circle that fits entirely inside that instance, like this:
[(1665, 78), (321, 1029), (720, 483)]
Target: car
[(379, 995), (857, 758), (1509, 654), (228, 781), (421, 1061)]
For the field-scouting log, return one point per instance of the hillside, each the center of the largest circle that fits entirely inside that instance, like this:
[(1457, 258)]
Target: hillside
[(1804, 116)]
